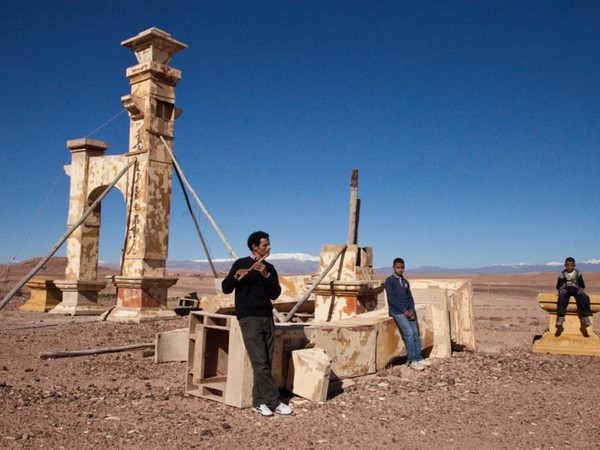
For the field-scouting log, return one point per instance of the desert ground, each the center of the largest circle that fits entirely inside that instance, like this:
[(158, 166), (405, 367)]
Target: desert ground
[(502, 396)]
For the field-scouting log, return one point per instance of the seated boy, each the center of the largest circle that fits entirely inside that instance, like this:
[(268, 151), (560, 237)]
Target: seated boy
[(570, 283)]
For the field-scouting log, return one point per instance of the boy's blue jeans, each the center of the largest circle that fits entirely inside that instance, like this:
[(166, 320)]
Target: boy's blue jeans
[(410, 336), (583, 302)]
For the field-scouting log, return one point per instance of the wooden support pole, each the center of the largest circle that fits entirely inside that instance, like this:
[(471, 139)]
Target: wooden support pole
[(354, 209), (94, 351), (204, 210), (204, 246)]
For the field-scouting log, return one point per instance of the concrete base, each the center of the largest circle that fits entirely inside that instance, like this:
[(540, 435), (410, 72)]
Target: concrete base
[(571, 339), (79, 298), (139, 314), (44, 295), (141, 298)]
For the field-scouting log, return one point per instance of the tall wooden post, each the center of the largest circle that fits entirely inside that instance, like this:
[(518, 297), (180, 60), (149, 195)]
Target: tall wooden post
[(354, 209)]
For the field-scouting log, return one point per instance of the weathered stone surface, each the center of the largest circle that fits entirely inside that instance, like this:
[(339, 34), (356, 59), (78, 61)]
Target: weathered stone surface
[(348, 288), (460, 308), (79, 297), (309, 374)]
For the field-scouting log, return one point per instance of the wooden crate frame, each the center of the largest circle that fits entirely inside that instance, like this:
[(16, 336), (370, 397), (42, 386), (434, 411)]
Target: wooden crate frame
[(218, 367)]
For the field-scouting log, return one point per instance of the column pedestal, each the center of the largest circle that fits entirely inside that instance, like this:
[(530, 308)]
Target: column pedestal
[(141, 298), (44, 295), (336, 300), (79, 298), (572, 338)]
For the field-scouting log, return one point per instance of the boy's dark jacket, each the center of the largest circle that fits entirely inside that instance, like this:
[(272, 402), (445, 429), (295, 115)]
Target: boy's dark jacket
[(562, 280), (398, 293)]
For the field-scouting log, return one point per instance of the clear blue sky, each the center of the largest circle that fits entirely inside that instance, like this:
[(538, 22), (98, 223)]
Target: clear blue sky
[(474, 124)]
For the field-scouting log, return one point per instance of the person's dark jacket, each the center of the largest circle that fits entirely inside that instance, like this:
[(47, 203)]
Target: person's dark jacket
[(398, 293), (561, 283), (254, 293)]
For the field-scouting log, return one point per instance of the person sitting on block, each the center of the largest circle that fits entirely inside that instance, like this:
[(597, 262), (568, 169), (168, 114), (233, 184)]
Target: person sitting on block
[(570, 283)]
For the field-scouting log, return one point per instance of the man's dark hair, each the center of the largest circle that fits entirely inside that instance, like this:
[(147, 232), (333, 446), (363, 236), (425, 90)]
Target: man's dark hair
[(398, 260), (570, 259), (254, 238)]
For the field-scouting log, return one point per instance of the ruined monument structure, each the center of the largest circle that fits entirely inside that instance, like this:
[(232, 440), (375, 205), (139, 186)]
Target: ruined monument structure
[(146, 187)]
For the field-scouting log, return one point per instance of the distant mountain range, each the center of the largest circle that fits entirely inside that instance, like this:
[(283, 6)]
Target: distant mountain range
[(303, 264), (285, 263)]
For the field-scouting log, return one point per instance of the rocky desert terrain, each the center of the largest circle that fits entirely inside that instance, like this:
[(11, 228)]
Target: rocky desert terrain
[(501, 396)]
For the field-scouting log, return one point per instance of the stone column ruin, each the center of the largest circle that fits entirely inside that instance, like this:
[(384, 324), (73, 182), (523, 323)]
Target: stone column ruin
[(142, 285)]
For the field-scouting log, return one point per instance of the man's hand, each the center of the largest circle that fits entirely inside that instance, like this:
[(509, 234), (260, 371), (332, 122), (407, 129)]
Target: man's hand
[(260, 267), (240, 273), (563, 291), (410, 315), (580, 291)]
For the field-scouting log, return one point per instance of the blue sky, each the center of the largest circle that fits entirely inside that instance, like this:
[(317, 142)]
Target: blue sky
[(474, 125)]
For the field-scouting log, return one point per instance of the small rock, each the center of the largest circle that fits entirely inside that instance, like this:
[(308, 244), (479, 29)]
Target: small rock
[(206, 434)]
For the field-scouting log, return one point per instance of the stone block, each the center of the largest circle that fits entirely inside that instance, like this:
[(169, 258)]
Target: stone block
[(44, 295), (460, 308), (308, 375)]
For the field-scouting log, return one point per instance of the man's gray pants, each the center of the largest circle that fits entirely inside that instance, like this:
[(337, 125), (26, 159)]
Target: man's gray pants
[(259, 338)]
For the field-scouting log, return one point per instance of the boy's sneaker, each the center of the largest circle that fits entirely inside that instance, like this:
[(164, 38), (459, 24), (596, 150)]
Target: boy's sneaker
[(425, 362), (560, 321), (263, 410), (587, 322), (283, 409), (416, 365)]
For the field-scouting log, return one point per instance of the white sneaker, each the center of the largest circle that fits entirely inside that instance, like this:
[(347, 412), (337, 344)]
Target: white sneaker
[(425, 362), (263, 410), (283, 409), (416, 365)]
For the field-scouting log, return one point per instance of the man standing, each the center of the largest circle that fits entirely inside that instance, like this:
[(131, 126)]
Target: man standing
[(401, 306), (256, 284)]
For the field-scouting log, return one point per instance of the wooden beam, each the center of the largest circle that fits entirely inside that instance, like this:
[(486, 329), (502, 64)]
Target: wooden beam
[(354, 208)]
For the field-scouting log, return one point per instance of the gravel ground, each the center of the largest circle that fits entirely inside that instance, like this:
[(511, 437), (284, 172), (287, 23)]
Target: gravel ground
[(501, 397)]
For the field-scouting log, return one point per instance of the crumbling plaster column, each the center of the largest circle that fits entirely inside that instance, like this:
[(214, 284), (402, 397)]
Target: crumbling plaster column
[(80, 287), (142, 286)]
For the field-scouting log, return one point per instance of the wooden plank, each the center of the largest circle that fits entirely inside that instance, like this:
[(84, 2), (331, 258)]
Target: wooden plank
[(239, 381), (172, 346)]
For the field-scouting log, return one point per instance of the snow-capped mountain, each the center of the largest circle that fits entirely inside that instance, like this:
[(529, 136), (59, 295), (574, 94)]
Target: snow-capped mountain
[(286, 263), (303, 264)]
